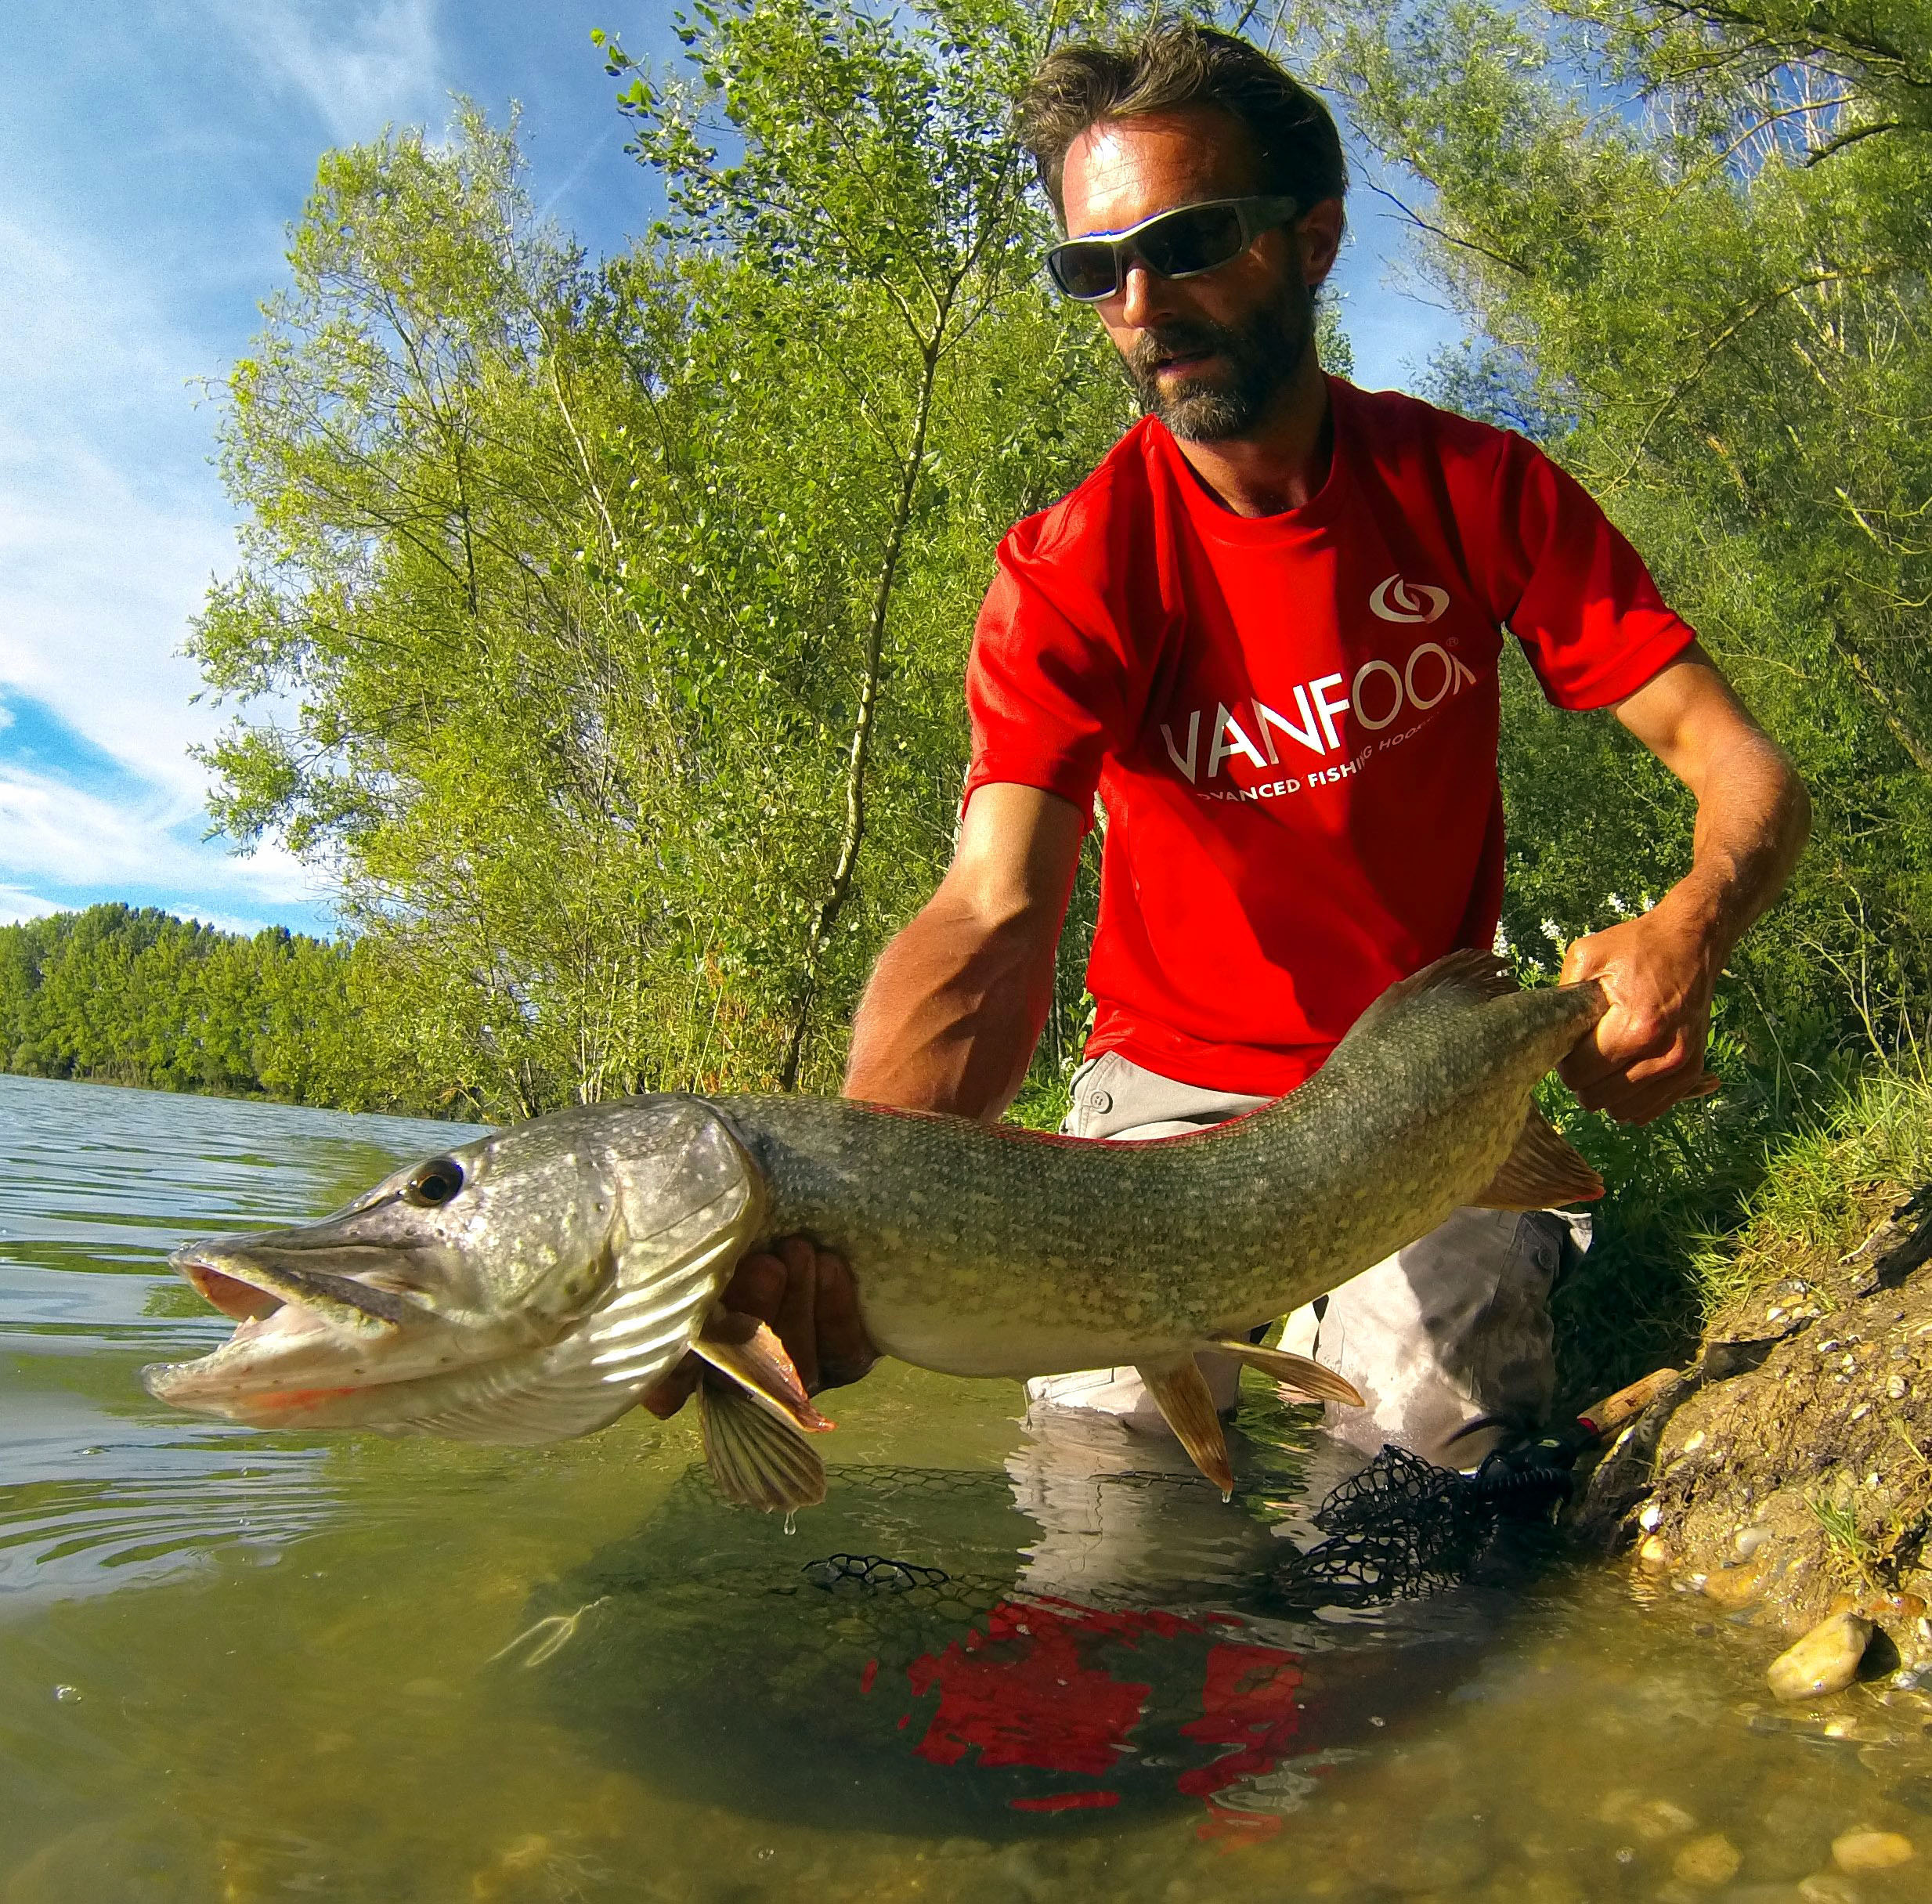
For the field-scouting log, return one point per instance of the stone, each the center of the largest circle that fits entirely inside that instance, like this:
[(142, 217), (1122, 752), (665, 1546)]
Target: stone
[(1732, 1587), (1654, 1554), (1825, 1661), (1854, 1852), (1827, 1887), (1654, 1819), (1710, 1860)]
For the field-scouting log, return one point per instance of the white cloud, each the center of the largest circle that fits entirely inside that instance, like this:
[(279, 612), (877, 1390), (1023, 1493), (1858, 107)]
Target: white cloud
[(17, 903), (360, 68), (54, 833), (111, 523)]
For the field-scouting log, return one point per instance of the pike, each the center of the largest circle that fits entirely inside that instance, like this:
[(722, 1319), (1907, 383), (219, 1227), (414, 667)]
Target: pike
[(532, 1285)]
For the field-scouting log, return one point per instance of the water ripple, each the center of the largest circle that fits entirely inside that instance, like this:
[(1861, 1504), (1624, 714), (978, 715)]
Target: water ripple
[(98, 1485)]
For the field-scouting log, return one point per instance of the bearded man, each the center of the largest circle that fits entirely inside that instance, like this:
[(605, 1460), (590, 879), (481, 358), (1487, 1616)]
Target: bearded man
[(1265, 634)]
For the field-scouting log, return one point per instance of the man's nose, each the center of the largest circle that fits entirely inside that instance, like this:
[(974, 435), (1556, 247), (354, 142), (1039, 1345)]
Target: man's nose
[(1146, 296)]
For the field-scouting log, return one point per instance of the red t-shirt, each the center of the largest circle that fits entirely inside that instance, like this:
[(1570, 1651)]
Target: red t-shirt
[(1291, 719)]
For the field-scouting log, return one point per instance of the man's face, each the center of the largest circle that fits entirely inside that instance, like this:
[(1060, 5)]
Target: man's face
[(1207, 354)]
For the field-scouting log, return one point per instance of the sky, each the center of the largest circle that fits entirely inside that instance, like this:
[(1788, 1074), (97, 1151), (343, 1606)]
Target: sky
[(152, 158)]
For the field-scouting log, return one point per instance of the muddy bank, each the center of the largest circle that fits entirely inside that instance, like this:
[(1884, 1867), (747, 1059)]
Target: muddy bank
[(1788, 1477)]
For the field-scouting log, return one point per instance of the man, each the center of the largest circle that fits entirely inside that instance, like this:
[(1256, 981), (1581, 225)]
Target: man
[(1265, 631)]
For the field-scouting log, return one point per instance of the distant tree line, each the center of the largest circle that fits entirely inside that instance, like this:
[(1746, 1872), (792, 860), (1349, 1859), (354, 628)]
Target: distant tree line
[(117, 996)]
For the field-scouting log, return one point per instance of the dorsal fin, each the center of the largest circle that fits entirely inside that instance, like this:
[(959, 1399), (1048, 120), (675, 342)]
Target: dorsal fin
[(1469, 974), (1540, 1171)]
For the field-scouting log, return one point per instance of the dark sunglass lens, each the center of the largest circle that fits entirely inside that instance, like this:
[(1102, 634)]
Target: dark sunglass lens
[(1197, 238), (1083, 270)]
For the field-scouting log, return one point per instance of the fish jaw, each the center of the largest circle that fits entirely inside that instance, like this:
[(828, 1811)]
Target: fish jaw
[(580, 1257), (306, 1336)]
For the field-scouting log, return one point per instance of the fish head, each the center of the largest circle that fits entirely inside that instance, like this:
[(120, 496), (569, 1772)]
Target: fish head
[(509, 1289)]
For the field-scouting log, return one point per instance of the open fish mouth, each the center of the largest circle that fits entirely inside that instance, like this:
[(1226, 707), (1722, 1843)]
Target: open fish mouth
[(301, 1334), (256, 1291)]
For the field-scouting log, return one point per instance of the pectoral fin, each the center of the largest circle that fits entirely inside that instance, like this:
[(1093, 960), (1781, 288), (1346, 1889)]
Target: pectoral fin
[(1541, 1171), (1186, 1400), (1295, 1371), (747, 1351), (757, 1457)]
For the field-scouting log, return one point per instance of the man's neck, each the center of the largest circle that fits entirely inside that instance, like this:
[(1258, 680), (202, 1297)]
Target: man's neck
[(1284, 464)]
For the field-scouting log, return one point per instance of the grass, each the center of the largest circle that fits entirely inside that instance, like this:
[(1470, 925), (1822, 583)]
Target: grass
[(1718, 1201), (1829, 1184), (1841, 1528)]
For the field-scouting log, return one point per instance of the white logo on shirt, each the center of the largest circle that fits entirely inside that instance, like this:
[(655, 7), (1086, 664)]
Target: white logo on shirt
[(1395, 599), (1381, 693)]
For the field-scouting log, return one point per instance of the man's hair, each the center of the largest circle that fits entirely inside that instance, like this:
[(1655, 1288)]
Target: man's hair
[(1175, 66)]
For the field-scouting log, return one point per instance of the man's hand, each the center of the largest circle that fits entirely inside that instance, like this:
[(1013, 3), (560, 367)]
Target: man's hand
[(808, 1296), (1646, 1051)]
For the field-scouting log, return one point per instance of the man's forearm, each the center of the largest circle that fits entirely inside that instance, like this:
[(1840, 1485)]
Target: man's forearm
[(1753, 817), (951, 1015)]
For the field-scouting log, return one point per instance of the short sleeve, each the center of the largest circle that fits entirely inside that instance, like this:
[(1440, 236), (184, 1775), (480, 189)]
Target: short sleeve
[(1047, 685), (1570, 588)]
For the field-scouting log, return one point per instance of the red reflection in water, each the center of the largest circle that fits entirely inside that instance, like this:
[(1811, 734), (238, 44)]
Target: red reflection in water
[(1027, 1691)]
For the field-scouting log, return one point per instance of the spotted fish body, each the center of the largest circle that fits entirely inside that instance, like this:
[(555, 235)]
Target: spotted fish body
[(580, 1256)]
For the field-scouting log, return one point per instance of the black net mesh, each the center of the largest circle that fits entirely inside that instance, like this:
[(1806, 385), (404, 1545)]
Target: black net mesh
[(1403, 1527)]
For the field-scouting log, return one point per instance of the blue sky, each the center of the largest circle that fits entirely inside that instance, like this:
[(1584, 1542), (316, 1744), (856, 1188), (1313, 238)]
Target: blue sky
[(151, 157)]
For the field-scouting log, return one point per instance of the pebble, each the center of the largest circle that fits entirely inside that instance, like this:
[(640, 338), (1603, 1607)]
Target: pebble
[(1711, 1860), (1654, 1553), (1649, 1818), (1651, 1518), (1827, 1887), (1871, 1851), (1734, 1587), (1825, 1661), (1747, 1540)]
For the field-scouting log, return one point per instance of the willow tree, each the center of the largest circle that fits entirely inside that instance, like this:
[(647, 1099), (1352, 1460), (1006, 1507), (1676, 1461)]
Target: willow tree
[(854, 167), (602, 629), (1690, 239)]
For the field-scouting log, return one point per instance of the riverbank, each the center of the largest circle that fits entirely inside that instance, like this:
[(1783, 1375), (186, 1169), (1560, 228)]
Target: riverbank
[(1789, 1476)]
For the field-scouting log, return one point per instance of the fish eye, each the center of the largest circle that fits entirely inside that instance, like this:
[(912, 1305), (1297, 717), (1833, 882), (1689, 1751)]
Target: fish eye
[(434, 1182)]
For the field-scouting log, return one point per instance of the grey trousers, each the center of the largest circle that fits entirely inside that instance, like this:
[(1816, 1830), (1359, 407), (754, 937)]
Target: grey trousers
[(1449, 1339)]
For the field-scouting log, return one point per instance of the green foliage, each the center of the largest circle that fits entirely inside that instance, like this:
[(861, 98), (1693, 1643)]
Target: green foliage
[(614, 618), (121, 996), (1689, 243)]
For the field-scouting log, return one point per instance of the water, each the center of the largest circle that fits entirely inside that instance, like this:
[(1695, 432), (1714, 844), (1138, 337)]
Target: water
[(237, 1667)]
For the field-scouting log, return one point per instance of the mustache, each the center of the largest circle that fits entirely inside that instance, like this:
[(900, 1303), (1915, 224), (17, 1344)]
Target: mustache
[(1152, 349)]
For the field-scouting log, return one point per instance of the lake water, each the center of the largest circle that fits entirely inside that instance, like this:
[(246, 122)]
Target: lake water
[(241, 1667)]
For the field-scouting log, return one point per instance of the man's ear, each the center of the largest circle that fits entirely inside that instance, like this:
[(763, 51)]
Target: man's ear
[(1318, 239)]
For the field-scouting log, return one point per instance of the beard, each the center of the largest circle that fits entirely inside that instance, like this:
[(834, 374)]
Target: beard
[(1259, 358)]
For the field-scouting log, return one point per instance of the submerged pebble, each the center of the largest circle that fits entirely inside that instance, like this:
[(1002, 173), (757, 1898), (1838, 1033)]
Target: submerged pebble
[(1871, 1851), (1825, 1661), (1827, 1887), (1734, 1587), (1710, 1860)]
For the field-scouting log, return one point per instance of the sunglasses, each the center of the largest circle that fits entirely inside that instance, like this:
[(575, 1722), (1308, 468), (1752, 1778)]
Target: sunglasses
[(1180, 243)]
